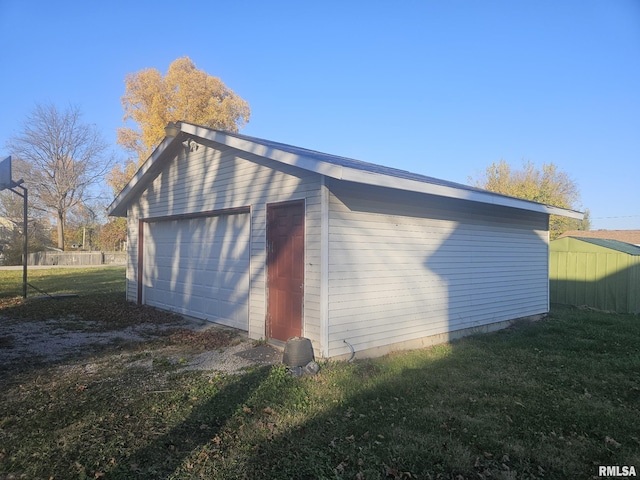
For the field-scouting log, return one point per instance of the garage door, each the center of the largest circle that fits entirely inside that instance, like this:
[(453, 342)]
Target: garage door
[(199, 267)]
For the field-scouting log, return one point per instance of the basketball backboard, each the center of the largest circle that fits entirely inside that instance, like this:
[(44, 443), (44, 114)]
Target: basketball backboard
[(5, 173)]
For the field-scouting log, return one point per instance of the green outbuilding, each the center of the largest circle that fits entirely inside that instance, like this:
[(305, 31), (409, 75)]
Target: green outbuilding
[(598, 273)]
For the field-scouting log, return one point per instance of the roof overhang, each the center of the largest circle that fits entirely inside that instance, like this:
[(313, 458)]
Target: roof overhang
[(312, 163), (151, 167)]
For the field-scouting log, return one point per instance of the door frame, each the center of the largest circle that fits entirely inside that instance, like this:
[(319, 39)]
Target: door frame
[(302, 202)]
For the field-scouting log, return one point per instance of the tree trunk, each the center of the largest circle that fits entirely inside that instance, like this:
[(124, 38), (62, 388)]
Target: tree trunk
[(61, 230)]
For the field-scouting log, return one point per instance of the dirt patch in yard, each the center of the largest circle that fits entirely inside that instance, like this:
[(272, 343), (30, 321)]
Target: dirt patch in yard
[(184, 344)]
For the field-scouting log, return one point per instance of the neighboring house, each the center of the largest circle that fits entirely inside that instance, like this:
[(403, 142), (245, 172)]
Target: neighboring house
[(281, 241), (627, 236), (599, 273), (7, 228)]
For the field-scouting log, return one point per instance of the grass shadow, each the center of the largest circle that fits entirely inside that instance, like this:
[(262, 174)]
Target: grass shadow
[(546, 400), (162, 456)]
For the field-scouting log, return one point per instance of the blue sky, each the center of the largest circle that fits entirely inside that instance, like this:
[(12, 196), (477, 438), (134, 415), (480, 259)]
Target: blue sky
[(443, 88)]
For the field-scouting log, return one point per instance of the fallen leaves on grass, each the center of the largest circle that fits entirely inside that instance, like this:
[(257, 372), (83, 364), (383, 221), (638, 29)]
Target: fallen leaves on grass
[(611, 442), (106, 311), (7, 342), (10, 302), (203, 340), (395, 473)]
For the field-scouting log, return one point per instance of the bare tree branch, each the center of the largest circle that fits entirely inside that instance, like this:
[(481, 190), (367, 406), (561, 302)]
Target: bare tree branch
[(66, 157)]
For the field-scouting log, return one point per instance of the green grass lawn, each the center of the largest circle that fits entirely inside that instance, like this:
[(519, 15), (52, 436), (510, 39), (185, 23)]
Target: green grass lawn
[(86, 281), (100, 297), (546, 400)]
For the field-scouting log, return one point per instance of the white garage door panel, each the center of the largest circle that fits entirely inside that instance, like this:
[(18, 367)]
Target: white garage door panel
[(199, 267)]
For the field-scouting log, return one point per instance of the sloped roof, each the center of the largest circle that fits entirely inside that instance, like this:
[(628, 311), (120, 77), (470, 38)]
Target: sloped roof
[(627, 236), (352, 163), (612, 245), (333, 166)]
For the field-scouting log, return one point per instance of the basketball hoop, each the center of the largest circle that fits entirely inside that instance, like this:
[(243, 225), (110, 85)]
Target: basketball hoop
[(5, 174), (6, 182)]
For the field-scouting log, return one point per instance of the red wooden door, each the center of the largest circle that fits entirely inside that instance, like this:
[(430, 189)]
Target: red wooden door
[(285, 269)]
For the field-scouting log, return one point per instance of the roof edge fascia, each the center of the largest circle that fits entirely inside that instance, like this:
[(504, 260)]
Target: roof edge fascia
[(456, 193), (323, 168), (361, 176), (117, 208)]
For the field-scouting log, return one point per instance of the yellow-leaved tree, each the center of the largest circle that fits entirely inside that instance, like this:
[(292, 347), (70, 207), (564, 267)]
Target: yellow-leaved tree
[(151, 101), (547, 185), (120, 175), (113, 235)]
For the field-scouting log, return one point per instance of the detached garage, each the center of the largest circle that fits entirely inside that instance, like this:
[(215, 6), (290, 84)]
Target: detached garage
[(282, 241)]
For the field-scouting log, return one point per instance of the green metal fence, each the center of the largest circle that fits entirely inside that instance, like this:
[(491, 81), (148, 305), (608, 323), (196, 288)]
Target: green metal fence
[(584, 273)]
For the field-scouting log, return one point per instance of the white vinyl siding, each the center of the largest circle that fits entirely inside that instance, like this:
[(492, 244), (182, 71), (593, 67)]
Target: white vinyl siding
[(132, 258), (404, 266), (214, 177)]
